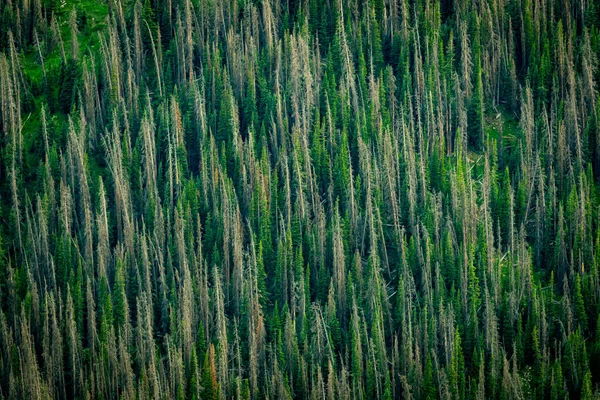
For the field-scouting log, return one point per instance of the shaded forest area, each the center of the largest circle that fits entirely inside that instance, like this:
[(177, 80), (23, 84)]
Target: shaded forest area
[(299, 199)]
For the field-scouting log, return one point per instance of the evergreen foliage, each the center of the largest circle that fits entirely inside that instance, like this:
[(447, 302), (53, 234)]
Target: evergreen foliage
[(301, 199)]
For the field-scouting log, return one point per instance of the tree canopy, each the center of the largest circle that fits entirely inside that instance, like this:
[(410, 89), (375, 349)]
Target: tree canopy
[(336, 199)]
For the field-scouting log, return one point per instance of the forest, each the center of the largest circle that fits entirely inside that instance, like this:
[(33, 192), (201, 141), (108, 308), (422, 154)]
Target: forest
[(300, 199)]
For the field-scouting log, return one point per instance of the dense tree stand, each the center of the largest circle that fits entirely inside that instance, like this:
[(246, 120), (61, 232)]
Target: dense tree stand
[(301, 199)]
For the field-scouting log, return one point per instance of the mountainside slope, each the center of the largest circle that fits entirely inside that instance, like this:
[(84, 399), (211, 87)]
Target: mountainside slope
[(304, 199)]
